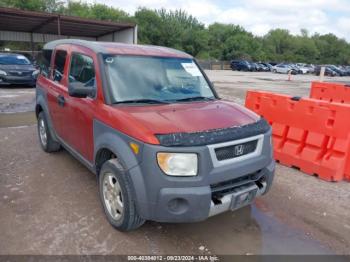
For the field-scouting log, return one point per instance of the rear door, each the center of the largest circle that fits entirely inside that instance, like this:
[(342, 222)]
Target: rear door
[(57, 91)]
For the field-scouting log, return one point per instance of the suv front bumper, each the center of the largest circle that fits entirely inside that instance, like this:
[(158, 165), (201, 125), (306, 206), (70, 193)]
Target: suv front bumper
[(17, 80), (165, 198)]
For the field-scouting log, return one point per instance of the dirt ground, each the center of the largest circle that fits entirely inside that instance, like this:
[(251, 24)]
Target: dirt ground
[(49, 202)]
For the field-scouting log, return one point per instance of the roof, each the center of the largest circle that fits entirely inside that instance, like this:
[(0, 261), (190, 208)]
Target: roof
[(12, 19), (120, 48)]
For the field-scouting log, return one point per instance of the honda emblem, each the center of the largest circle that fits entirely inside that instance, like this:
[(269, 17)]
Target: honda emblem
[(239, 150)]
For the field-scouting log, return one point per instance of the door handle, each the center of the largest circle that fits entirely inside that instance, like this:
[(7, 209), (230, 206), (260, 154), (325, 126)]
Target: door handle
[(60, 100)]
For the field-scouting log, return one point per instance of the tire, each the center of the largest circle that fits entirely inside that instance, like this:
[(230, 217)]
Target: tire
[(274, 71), (117, 197), (48, 144)]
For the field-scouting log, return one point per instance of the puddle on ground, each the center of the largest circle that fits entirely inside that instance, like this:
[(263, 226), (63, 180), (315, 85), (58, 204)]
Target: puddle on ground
[(249, 230), (278, 238), (17, 119)]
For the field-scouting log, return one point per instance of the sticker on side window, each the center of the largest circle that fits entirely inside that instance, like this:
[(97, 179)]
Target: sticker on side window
[(191, 68), (109, 60)]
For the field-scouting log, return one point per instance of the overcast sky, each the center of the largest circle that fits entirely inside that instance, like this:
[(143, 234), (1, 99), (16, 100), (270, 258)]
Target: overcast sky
[(258, 16)]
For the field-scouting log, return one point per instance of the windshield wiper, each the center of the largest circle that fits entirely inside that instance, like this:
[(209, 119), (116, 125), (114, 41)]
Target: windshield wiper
[(195, 98), (141, 101)]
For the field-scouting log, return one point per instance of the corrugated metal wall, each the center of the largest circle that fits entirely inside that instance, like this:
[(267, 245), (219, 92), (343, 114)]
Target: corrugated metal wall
[(125, 36)]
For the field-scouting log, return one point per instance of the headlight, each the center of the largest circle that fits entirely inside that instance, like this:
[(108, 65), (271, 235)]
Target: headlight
[(3, 73), (178, 164), (35, 73)]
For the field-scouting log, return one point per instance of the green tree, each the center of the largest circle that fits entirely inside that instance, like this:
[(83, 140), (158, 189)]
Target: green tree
[(304, 48), (179, 30), (227, 41), (34, 5), (94, 11), (174, 29), (332, 50), (278, 44), (148, 32)]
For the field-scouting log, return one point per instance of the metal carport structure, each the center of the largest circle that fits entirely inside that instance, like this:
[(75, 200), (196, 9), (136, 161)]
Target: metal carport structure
[(41, 27)]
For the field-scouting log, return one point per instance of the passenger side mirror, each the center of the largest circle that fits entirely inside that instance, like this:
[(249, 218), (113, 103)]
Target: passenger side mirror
[(81, 90)]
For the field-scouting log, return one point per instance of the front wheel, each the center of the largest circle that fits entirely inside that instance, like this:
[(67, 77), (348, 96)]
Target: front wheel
[(117, 197)]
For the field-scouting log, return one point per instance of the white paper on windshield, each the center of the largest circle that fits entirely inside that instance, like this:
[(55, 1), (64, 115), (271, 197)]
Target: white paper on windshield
[(192, 69), (21, 57)]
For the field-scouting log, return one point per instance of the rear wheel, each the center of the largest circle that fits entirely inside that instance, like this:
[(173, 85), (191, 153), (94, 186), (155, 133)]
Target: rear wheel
[(46, 141), (117, 197)]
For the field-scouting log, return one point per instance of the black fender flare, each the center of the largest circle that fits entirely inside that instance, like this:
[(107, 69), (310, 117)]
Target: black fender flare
[(41, 102)]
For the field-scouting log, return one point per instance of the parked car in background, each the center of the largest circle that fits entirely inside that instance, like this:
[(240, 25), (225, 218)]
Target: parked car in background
[(295, 68), (347, 70), (254, 66), (268, 66), (17, 69), (311, 68), (302, 69), (284, 69), (261, 67), (338, 70), (241, 65), (328, 71)]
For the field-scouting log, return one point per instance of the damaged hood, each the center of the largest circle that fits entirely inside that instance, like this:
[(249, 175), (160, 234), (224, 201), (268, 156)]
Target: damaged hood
[(189, 117)]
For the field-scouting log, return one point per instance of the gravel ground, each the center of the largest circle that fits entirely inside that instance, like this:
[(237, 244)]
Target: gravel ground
[(49, 202), (16, 99)]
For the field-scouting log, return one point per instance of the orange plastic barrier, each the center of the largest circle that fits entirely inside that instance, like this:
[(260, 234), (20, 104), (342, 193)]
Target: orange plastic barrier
[(309, 134), (331, 92)]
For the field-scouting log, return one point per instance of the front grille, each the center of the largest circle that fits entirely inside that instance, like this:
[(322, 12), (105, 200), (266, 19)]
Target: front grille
[(19, 73), (229, 152)]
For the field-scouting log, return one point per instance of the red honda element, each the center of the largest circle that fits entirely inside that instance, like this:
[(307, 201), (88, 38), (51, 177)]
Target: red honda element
[(147, 121)]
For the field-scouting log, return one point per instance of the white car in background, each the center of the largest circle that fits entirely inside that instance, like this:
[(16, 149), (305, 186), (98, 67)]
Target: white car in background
[(303, 68), (282, 69)]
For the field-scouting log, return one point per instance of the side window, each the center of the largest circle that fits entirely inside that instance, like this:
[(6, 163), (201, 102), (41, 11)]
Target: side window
[(58, 68), (82, 70)]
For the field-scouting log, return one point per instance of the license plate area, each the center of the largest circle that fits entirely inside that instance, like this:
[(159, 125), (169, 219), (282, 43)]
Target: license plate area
[(243, 196)]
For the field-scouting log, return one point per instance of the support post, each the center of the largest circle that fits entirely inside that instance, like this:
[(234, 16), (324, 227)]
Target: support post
[(322, 72), (59, 25), (135, 35)]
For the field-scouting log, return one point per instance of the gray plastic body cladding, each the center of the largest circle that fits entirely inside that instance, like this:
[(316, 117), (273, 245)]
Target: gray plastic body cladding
[(41, 99), (156, 188), (117, 142)]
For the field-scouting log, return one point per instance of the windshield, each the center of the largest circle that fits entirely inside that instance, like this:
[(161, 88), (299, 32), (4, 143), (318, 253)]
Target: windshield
[(14, 60), (137, 78)]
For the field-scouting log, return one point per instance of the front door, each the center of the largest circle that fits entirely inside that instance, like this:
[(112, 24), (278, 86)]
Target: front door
[(82, 110)]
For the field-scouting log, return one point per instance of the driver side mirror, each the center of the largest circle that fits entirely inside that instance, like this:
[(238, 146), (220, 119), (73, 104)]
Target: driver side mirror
[(78, 89)]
